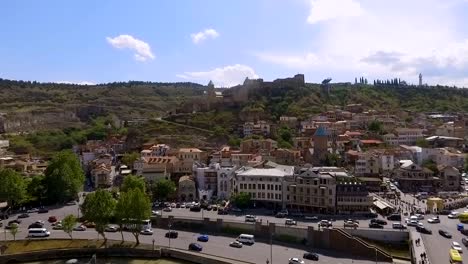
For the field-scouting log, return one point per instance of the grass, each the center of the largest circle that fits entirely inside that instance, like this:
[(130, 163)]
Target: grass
[(20, 246)]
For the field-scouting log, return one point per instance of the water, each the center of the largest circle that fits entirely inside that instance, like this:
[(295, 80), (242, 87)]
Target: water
[(114, 261)]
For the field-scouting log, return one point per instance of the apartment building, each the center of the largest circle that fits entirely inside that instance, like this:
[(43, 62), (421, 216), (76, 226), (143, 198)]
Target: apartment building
[(374, 163), (414, 178), (403, 136), (352, 197)]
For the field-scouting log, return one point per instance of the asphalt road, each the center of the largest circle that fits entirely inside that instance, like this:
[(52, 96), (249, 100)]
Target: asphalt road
[(217, 245)]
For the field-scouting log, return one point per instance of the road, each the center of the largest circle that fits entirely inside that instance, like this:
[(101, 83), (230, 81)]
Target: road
[(217, 245)]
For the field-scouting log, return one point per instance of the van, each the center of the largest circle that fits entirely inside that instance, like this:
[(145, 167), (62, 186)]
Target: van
[(246, 239), (38, 232)]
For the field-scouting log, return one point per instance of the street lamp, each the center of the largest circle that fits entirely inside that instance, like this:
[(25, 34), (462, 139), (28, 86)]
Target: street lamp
[(169, 227), (375, 255), (271, 248)]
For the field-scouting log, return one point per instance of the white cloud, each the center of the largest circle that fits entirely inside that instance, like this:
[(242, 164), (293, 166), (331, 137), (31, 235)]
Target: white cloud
[(203, 35), (295, 61), (142, 49), (323, 10), (78, 83), (225, 76)]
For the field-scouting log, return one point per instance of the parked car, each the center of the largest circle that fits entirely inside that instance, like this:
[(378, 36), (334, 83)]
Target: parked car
[(24, 215), (413, 223), (296, 261), (79, 228), (394, 217), (147, 232), (18, 221), (433, 220), (167, 209), (423, 230), (290, 222), (236, 244), (89, 224), (311, 218), (465, 242), (172, 234), (35, 225), (203, 238), (154, 213), (52, 219), (444, 212), (56, 223), (32, 210), (351, 224), (453, 215), (445, 233), (111, 229), (250, 218), (215, 208), (311, 256), (42, 211), (398, 226), (375, 225), (457, 246), (195, 247), (280, 215)]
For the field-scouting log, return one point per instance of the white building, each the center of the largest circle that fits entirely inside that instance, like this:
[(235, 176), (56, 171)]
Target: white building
[(404, 136), (444, 157), (225, 175), (206, 178)]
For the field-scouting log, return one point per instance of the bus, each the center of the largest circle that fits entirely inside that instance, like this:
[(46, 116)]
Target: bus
[(131, 224), (455, 257)]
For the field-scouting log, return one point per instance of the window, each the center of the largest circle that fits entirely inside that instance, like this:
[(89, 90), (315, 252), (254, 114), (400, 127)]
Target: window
[(254, 195), (279, 187), (259, 186), (330, 192), (263, 186), (279, 195)]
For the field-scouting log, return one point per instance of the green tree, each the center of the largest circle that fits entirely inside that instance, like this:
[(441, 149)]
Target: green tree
[(430, 165), (98, 207), (423, 143), (466, 163), (332, 159), (132, 182), (12, 187), (129, 158), (68, 223), (163, 189), (234, 141), (376, 126), (35, 188), (241, 200), (64, 177), (133, 207), (14, 230)]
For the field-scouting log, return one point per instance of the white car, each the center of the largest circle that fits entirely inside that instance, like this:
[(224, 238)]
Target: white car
[(453, 215), (457, 246), (296, 261), (412, 223), (155, 213), (147, 232), (182, 205), (420, 216), (79, 228), (421, 225), (433, 220)]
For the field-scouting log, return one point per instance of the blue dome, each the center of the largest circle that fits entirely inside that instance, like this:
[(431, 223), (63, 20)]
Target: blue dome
[(321, 132)]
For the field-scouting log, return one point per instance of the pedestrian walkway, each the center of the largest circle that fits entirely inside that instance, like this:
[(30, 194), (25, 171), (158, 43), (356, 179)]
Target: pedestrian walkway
[(418, 248)]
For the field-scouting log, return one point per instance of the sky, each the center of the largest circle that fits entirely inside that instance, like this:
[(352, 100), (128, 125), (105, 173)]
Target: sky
[(88, 41)]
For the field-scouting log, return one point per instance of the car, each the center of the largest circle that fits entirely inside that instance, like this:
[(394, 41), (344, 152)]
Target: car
[(32, 210), (444, 212), (215, 208), (24, 215), (378, 221), (290, 222), (353, 220), (177, 205), (433, 220), (420, 216), (56, 223), (71, 203), (351, 224), (457, 247), (445, 233), (12, 225), (394, 217), (325, 223), (398, 226), (154, 213), (420, 225), (465, 242), (173, 205), (311, 256), (42, 211), (57, 227), (375, 225), (52, 219), (35, 225), (413, 223), (14, 221), (209, 207), (251, 218), (195, 208), (195, 247), (147, 232), (167, 209), (111, 229), (89, 224), (280, 215), (79, 228), (203, 238), (423, 230), (172, 234), (311, 218), (453, 215), (236, 244), (295, 261)]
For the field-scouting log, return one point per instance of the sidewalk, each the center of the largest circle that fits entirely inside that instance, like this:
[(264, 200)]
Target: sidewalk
[(418, 249)]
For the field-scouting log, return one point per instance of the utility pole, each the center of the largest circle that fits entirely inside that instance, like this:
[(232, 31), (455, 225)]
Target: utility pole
[(271, 247)]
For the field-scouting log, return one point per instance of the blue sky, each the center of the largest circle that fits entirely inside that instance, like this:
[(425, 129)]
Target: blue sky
[(91, 41)]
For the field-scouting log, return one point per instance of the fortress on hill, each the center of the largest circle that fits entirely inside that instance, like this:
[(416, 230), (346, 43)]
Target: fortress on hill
[(239, 94)]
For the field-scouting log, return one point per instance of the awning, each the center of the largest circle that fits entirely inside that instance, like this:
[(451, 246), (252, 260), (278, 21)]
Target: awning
[(380, 205)]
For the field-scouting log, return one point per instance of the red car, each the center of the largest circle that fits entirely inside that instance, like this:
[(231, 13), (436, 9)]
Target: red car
[(52, 219)]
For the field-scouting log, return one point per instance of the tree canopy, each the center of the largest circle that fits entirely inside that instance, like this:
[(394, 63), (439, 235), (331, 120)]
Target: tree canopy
[(98, 207), (241, 200), (133, 207), (68, 223), (163, 189), (129, 158), (64, 177), (12, 187), (132, 182)]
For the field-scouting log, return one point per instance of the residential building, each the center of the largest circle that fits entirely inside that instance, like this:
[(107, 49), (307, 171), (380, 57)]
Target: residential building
[(444, 156), (450, 178), (374, 163), (311, 191), (403, 136), (262, 146), (206, 178), (225, 175), (102, 171), (4, 144), (444, 141), (186, 190), (352, 196), (289, 121), (241, 159), (156, 168), (414, 178), (186, 159), (287, 156), (262, 128)]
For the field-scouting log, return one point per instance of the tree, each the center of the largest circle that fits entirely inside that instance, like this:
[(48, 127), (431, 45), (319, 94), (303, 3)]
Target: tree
[(133, 207), (35, 188), (241, 200), (466, 163), (98, 207), (376, 126), (423, 143), (132, 182), (129, 158), (64, 177), (332, 159), (430, 164), (14, 230), (68, 223), (12, 187), (163, 189)]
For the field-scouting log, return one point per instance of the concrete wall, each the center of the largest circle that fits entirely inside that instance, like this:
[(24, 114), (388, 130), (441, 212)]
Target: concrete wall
[(391, 236), (299, 233)]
